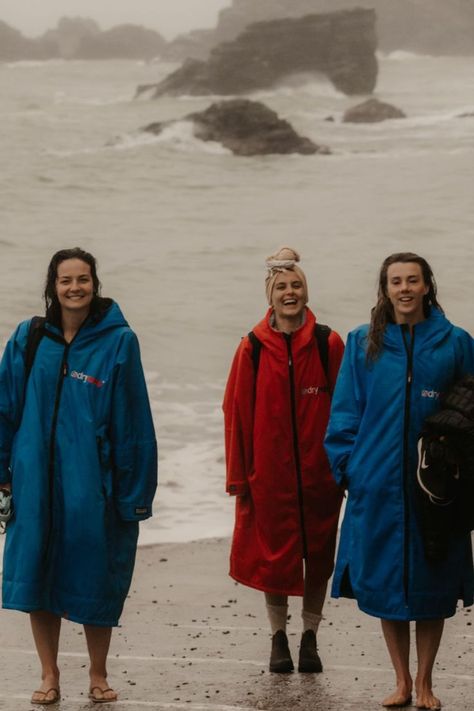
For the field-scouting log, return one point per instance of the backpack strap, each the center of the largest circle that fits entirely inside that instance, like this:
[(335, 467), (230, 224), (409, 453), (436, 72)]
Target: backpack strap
[(256, 348), (35, 334), (321, 333)]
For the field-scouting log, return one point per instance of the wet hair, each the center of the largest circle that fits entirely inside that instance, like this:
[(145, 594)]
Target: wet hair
[(382, 313), (53, 308)]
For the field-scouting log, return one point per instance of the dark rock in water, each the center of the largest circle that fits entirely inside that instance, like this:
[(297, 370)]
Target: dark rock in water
[(191, 78), (372, 111), (437, 27), (468, 114), (339, 44), (247, 128)]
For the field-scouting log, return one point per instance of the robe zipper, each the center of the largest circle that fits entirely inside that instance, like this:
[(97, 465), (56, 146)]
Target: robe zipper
[(63, 371), (296, 450), (406, 429)]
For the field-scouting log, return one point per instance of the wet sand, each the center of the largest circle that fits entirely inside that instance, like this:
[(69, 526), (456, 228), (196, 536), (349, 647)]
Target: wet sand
[(193, 639)]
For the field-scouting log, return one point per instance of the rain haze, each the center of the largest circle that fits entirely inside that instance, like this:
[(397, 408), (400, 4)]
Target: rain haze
[(168, 18)]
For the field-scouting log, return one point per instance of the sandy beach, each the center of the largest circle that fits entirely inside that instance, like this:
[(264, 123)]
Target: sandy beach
[(191, 638)]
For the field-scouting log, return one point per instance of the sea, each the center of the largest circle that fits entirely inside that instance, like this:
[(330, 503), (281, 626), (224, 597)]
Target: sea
[(181, 228)]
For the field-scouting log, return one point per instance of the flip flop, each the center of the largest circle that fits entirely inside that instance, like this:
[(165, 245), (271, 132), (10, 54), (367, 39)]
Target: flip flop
[(43, 701), (101, 699)]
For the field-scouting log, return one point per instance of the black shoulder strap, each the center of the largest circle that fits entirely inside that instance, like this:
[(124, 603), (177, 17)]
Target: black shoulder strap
[(321, 333), (256, 348), (35, 334)]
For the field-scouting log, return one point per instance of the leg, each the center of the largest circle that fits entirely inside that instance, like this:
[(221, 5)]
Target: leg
[(397, 639), (313, 601), (46, 628), (277, 611), (280, 657), (98, 643), (428, 637)]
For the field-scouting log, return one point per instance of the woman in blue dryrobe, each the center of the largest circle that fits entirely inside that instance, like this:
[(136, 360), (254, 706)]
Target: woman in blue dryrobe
[(393, 375), (78, 451)]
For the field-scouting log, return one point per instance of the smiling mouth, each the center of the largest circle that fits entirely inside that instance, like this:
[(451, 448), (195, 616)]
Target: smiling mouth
[(289, 302)]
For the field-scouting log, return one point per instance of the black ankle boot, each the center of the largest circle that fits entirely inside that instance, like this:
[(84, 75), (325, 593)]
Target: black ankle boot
[(309, 661), (280, 658)]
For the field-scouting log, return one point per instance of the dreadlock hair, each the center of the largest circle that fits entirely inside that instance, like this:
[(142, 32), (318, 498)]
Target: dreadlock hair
[(53, 309), (382, 313)]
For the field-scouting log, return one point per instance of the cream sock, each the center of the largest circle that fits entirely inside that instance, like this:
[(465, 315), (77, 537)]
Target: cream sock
[(277, 614), (311, 621)]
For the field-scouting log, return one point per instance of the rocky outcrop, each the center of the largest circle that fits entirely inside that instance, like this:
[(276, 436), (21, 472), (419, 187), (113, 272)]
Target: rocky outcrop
[(372, 111), (122, 42), (81, 38), (424, 26), (339, 44), (247, 128), (15, 47)]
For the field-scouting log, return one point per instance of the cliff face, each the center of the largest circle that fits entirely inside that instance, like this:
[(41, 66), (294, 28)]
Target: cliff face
[(340, 44), (426, 26)]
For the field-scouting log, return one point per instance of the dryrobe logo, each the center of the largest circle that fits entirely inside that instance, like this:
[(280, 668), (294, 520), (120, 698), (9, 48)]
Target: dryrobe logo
[(87, 378), (431, 394), (315, 390)]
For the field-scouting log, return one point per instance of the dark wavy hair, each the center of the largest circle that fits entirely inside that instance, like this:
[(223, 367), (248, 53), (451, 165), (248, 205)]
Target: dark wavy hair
[(53, 309), (382, 313)]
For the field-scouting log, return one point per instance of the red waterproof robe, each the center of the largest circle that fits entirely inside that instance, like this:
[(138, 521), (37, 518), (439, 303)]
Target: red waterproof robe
[(288, 503)]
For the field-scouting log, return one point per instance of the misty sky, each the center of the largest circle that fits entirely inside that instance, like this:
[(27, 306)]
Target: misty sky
[(170, 17)]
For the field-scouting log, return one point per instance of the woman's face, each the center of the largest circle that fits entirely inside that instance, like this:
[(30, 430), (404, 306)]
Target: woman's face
[(406, 289), (288, 296), (74, 286)]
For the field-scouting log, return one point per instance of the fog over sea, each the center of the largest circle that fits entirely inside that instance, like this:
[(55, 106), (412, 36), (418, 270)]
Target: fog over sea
[(181, 228)]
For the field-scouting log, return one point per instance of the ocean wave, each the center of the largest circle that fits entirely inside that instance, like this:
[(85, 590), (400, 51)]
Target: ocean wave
[(403, 55), (179, 135), (33, 63), (61, 99), (191, 502), (296, 85)]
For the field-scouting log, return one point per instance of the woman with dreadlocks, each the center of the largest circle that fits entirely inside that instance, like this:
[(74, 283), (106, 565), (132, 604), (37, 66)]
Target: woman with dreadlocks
[(393, 374)]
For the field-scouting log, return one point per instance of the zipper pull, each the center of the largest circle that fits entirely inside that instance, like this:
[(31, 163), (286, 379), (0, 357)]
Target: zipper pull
[(65, 369)]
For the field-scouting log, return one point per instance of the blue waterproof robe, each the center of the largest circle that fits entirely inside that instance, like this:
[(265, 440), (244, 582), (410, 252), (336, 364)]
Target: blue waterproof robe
[(376, 417), (80, 450)]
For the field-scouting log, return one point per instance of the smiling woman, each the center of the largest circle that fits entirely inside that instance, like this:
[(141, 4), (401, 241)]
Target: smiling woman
[(276, 409), (391, 371), (78, 452)]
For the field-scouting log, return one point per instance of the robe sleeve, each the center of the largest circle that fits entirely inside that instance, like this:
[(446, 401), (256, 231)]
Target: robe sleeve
[(12, 383), (345, 414), (134, 449), (238, 406)]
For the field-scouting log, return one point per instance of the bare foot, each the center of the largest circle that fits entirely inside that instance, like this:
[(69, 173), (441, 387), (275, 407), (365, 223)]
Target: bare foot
[(400, 697), (425, 699)]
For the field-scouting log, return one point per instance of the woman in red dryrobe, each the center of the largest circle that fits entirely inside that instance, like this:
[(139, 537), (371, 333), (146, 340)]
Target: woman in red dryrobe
[(276, 410)]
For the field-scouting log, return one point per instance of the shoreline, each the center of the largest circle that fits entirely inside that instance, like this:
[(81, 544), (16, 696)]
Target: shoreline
[(192, 638)]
